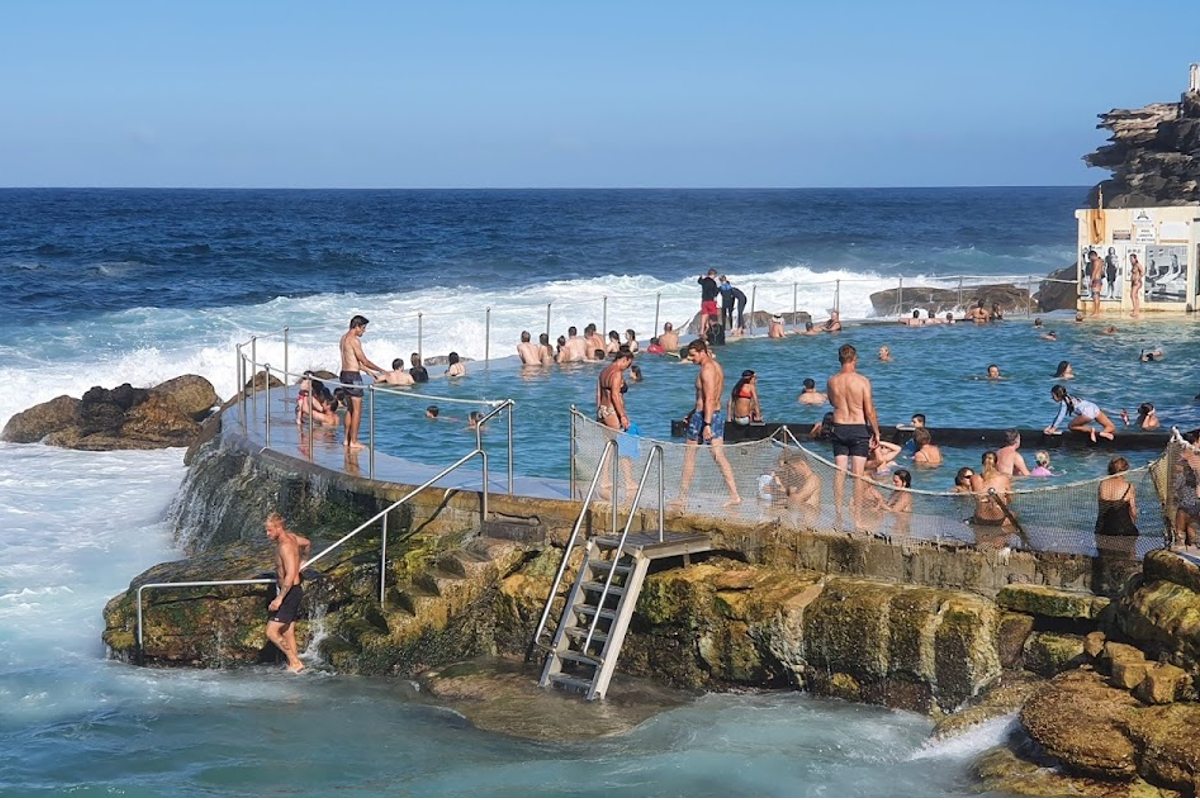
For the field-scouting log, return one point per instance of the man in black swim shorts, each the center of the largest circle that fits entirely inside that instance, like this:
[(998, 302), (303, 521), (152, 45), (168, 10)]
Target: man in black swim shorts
[(354, 362), (855, 424), (283, 609)]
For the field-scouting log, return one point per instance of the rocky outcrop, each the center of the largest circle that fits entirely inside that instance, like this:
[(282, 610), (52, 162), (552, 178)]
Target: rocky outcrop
[(893, 302), (123, 418), (758, 321), (1154, 155), (1060, 290)]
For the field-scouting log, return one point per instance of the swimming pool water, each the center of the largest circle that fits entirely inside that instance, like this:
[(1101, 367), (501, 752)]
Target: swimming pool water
[(936, 371)]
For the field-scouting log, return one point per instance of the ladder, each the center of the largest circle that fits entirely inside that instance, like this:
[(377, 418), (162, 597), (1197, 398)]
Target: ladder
[(595, 614)]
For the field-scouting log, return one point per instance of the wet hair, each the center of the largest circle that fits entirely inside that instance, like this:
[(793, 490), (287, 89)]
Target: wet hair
[(475, 416), (1011, 436), (683, 353), (697, 346), (988, 457), (1145, 410), (598, 354), (1063, 366), (919, 418), (544, 338), (397, 363), (616, 337), (524, 336), (668, 326), (629, 333), (747, 376), (1042, 458), (905, 477), (1118, 464), (358, 320), (827, 424), (922, 437), (452, 358), (808, 326), (916, 313), (636, 371), (809, 383), (1037, 322), (415, 358), (432, 411), (653, 340), (1192, 436), (623, 353), (562, 340), (572, 331), (963, 474), (590, 329), (990, 367), (847, 353)]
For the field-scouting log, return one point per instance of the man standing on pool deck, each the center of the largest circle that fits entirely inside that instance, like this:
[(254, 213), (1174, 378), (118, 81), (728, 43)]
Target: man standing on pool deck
[(354, 363), (855, 423), (1097, 271), (283, 610), (706, 423)]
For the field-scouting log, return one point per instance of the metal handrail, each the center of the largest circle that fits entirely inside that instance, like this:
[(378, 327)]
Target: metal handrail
[(610, 448), (306, 564), (656, 450)]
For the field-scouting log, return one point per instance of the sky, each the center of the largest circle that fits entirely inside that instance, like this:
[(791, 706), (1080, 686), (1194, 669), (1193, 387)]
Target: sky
[(513, 93)]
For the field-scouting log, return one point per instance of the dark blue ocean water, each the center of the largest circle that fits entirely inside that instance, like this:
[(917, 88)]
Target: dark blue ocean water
[(66, 253)]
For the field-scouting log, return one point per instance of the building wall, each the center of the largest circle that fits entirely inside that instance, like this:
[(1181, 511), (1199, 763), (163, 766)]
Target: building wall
[(1166, 240)]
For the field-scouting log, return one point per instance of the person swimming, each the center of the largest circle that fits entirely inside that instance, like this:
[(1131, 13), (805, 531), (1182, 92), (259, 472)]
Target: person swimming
[(1064, 371), (1147, 418), (901, 500), (1151, 354), (885, 353), (1042, 468)]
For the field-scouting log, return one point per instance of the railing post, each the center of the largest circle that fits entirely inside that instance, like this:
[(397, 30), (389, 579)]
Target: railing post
[(371, 431), (753, 300), (509, 415), (487, 336), (795, 305), (420, 337), (573, 452), (960, 305), (309, 407), (616, 453), (383, 562), (241, 385), (662, 493), (267, 413), (654, 332), (483, 506), (253, 375), (286, 377), (900, 296), (837, 295), (547, 320), (604, 319)]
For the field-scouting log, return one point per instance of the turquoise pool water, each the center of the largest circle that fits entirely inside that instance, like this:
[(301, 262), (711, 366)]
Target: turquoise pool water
[(936, 371)]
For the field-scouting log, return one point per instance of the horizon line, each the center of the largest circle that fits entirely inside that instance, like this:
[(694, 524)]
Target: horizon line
[(546, 188)]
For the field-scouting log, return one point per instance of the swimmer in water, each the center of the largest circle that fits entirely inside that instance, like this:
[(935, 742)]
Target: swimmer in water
[(901, 500), (928, 454), (962, 481), (885, 353), (1037, 322), (1147, 418), (775, 328), (810, 396), (1050, 336), (1042, 468), (810, 330), (1081, 414), (456, 368), (993, 373), (993, 490), (1154, 354), (1109, 331), (1064, 371)]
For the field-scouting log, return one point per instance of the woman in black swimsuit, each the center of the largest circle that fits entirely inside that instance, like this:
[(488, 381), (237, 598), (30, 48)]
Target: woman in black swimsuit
[(1116, 517)]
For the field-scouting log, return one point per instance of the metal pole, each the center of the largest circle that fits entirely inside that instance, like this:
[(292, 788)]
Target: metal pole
[(900, 296), (484, 505), (662, 492), (795, 306), (240, 369), (383, 562), (657, 306), (604, 318), (253, 375), (267, 411), (286, 378), (1029, 296), (572, 484), (753, 299), (371, 431), (837, 295), (420, 336), (960, 305), (509, 414), (616, 457), (487, 336), (547, 320), (309, 403)]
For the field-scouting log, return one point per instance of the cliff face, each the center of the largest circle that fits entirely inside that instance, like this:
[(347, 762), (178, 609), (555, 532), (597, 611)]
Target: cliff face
[(1154, 155)]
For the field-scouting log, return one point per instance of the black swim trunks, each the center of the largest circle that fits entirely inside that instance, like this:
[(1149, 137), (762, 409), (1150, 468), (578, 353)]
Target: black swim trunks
[(851, 440), (289, 609), (352, 378)]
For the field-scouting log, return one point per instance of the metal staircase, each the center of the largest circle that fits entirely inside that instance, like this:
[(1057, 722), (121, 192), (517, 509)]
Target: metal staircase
[(595, 614)]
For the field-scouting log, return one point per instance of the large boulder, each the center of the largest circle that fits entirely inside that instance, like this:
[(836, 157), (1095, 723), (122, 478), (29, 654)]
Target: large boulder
[(160, 421), (1059, 291), (192, 394), (38, 422), (891, 302)]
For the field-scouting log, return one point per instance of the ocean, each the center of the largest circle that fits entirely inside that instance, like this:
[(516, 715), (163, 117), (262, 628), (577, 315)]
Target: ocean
[(107, 286)]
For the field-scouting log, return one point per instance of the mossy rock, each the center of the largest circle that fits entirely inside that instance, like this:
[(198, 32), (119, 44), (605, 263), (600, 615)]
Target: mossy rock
[(1045, 601), (1165, 618), (1051, 653)]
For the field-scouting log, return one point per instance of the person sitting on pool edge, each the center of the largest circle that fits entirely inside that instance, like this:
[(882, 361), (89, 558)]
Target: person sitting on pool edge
[(743, 406)]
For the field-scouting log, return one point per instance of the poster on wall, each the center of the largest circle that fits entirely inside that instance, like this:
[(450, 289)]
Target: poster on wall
[(1143, 228), (1112, 274), (1166, 273)]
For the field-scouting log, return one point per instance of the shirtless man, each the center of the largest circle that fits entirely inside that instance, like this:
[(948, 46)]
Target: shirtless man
[(979, 314), (855, 423), (290, 550), (593, 341), (1096, 266), (834, 323), (398, 376), (810, 396), (669, 339), (1008, 460), (706, 423), (355, 362), (575, 349), (528, 351)]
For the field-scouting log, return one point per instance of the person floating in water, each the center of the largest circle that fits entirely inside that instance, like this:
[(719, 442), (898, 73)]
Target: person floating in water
[(1152, 354), (290, 550), (993, 373), (885, 353), (354, 363), (1064, 371), (810, 396), (1081, 414)]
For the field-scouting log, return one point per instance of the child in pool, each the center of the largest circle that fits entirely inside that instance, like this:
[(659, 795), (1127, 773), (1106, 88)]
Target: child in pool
[(1042, 470)]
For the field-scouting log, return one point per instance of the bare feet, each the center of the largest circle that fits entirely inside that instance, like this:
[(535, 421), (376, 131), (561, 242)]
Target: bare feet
[(1092, 435), (1105, 435), (296, 668), (354, 445), (733, 501)]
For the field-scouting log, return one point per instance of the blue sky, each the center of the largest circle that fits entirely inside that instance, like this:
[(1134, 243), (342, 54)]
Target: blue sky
[(537, 94)]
